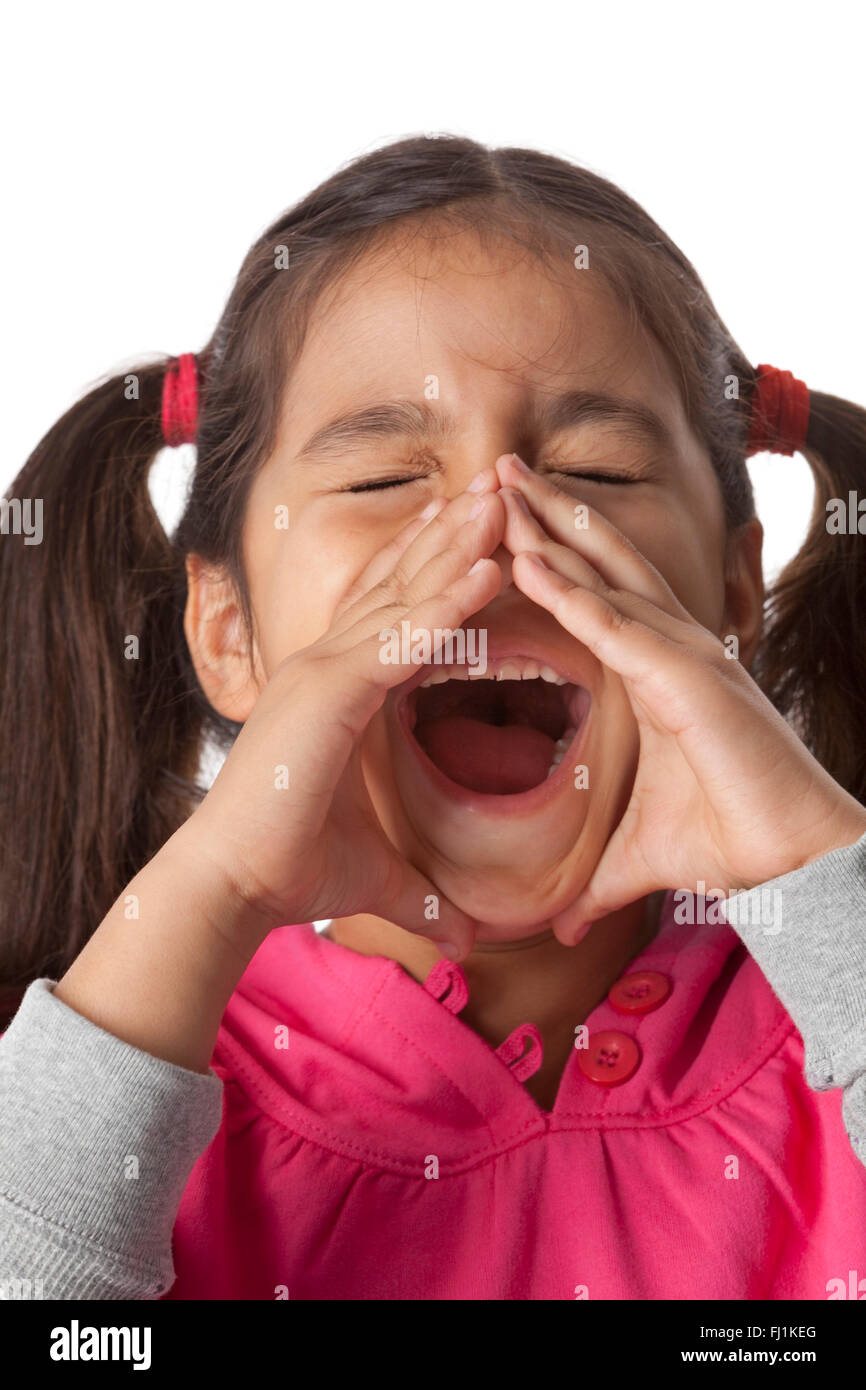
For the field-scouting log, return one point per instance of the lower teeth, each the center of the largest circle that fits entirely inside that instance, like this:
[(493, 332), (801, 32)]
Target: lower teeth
[(560, 749)]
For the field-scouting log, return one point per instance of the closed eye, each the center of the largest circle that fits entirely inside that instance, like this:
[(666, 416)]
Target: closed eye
[(598, 477), (380, 483)]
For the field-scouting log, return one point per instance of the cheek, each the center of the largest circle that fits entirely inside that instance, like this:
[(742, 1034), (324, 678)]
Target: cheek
[(693, 563), (696, 576), (688, 554), (299, 576)]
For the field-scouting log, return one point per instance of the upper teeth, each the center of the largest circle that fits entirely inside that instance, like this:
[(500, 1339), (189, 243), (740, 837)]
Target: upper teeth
[(513, 670)]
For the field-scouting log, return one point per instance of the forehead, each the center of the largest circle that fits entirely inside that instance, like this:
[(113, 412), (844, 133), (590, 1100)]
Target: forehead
[(487, 318)]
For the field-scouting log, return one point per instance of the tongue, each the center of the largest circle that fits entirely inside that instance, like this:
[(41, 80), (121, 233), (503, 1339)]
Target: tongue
[(501, 760)]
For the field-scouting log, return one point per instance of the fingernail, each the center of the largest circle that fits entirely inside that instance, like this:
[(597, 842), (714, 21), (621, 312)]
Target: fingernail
[(447, 948), (581, 932), (477, 565), (535, 559), (431, 509), (478, 482), (478, 507), (519, 501), (519, 464)]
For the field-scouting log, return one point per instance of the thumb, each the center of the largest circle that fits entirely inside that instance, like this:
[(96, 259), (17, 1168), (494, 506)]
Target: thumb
[(619, 878), (414, 903)]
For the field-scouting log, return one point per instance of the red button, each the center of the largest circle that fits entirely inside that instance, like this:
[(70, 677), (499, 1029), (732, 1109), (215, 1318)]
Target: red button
[(610, 1059), (640, 993)]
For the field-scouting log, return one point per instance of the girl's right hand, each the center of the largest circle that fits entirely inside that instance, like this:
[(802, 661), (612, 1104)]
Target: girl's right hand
[(306, 844)]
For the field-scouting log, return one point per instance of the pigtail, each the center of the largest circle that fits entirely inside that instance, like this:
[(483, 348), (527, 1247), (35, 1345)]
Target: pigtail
[(100, 719), (812, 660)]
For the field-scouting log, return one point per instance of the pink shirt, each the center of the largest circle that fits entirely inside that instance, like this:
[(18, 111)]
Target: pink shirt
[(711, 1171)]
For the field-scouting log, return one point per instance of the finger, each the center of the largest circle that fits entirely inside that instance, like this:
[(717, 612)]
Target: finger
[(524, 533), (374, 653), (453, 584), (414, 903), (441, 530), (480, 534), (431, 535), (619, 878), (579, 526), (627, 633), (385, 559), (458, 509)]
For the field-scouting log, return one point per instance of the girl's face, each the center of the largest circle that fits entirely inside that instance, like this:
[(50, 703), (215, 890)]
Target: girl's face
[(485, 348)]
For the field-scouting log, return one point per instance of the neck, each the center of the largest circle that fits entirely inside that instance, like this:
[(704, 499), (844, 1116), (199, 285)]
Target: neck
[(533, 980)]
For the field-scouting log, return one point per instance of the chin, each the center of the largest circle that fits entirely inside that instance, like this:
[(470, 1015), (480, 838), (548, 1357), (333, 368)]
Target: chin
[(516, 899)]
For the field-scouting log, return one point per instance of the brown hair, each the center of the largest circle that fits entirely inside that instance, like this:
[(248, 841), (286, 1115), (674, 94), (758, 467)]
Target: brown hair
[(100, 752)]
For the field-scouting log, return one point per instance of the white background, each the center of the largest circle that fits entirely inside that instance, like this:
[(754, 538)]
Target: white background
[(147, 145)]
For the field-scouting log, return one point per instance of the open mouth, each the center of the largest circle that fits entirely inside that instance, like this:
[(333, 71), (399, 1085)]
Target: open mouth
[(500, 733)]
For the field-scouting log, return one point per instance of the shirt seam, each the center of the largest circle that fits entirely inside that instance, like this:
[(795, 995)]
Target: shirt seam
[(280, 1112)]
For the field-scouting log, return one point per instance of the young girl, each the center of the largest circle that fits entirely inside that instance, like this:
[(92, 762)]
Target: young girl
[(469, 585)]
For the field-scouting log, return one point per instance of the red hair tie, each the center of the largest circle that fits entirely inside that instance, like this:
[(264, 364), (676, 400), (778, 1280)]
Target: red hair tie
[(180, 401), (779, 412)]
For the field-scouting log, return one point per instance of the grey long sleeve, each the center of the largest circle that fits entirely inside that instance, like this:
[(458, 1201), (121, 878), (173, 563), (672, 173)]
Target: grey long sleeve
[(97, 1141), (807, 932), (79, 1108)]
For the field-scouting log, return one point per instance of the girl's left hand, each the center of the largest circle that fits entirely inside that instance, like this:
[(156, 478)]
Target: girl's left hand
[(724, 792)]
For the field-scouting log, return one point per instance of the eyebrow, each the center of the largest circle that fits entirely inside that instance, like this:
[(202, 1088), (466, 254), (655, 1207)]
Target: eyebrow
[(406, 419)]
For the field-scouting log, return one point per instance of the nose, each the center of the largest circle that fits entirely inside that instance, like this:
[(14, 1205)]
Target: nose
[(501, 554)]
